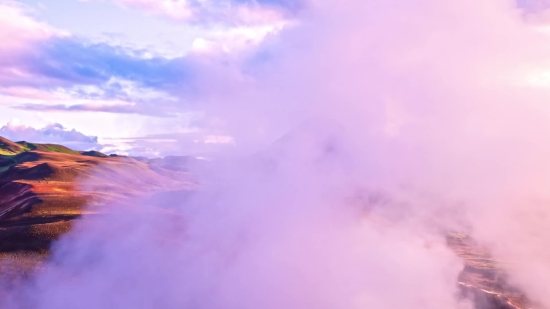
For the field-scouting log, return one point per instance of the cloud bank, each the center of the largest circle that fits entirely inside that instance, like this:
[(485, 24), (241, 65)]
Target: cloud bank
[(52, 133), (422, 101)]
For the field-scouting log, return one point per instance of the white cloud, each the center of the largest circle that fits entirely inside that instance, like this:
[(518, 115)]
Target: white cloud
[(218, 139), (17, 29), (52, 133), (231, 26)]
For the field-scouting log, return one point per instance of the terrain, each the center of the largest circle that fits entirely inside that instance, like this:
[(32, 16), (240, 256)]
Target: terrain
[(44, 188), (484, 278)]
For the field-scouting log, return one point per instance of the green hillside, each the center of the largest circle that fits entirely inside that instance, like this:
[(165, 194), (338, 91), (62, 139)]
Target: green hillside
[(47, 147), (9, 148)]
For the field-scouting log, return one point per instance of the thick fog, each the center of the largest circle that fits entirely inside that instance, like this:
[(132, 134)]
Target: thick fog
[(404, 120)]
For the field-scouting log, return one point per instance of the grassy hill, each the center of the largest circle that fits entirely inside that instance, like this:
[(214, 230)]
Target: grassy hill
[(47, 147), (44, 188), (8, 147)]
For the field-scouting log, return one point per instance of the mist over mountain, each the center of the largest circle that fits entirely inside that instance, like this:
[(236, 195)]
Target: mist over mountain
[(344, 154), (46, 189)]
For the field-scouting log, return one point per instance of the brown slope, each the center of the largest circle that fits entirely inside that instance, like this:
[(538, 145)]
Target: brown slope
[(43, 192)]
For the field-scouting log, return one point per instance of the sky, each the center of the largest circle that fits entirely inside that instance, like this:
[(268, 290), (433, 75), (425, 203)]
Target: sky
[(124, 72), (137, 76)]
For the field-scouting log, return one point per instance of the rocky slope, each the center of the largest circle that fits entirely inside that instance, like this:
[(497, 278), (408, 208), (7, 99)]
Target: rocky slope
[(484, 278)]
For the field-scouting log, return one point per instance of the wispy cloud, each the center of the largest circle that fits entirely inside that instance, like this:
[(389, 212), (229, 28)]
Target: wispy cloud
[(194, 143), (18, 30), (226, 12), (95, 107), (60, 62)]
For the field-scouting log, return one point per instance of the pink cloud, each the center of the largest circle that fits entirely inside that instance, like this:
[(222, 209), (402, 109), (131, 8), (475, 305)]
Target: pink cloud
[(179, 10), (219, 139), (18, 30), (19, 34), (463, 138), (28, 93)]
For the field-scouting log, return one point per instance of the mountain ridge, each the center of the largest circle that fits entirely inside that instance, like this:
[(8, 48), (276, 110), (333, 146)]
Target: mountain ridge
[(44, 188)]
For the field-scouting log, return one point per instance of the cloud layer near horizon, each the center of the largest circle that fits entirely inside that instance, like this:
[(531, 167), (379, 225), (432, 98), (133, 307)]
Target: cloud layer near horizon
[(53, 133)]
